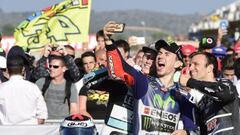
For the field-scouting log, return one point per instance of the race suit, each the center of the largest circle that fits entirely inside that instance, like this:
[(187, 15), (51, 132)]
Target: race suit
[(119, 113), (155, 112), (217, 103)]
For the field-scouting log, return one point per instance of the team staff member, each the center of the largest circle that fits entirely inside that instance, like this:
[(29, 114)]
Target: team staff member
[(216, 99), (21, 102), (158, 103)]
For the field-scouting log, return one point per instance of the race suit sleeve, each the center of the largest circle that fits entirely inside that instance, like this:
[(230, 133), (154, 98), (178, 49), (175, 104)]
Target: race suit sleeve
[(119, 69), (221, 91)]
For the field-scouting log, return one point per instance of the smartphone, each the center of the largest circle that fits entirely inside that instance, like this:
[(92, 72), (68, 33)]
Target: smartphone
[(119, 27)]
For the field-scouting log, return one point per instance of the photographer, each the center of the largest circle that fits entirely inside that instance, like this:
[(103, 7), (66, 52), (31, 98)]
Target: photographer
[(57, 50)]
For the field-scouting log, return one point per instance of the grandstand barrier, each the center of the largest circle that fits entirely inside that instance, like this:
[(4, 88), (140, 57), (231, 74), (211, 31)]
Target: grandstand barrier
[(51, 127)]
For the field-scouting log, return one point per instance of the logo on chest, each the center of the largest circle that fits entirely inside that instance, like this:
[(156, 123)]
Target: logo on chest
[(161, 103)]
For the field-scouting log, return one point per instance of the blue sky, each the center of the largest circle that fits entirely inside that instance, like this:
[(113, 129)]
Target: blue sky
[(169, 6)]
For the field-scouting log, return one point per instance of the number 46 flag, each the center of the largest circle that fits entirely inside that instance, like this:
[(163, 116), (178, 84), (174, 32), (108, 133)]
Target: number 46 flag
[(67, 21)]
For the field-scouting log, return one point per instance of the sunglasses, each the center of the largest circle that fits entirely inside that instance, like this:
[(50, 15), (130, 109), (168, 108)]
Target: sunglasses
[(54, 66), (73, 56)]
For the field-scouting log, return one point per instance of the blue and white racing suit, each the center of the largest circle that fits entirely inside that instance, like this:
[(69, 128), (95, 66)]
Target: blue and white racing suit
[(156, 111)]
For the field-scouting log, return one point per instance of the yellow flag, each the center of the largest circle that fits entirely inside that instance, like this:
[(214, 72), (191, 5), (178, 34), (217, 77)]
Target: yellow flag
[(66, 22)]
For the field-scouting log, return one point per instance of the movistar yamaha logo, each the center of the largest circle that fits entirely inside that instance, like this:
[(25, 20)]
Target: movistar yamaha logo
[(159, 102)]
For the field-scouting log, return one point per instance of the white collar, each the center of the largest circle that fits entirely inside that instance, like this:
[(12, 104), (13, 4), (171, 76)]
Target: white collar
[(16, 77)]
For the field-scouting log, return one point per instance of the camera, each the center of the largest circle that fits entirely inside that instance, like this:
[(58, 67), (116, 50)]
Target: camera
[(54, 48)]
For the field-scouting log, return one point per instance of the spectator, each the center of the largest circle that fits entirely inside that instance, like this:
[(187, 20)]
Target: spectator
[(60, 95), (93, 102), (227, 68), (100, 40), (73, 74), (21, 100), (216, 99), (187, 50), (148, 59), (89, 61), (237, 73), (139, 57), (101, 57), (237, 50)]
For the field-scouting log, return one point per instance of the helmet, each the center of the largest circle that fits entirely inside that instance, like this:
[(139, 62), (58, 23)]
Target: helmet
[(78, 124), (188, 49)]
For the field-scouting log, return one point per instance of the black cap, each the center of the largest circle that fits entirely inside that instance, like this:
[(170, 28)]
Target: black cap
[(18, 51), (207, 43), (171, 47), (14, 62), (150, 49)]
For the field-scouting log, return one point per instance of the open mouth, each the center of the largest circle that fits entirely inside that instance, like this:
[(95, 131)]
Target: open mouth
[(161, 64)]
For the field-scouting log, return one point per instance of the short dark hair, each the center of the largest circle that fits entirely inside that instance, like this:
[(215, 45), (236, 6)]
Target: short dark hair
[(99, 34), (55, 57), (15, 65), (227, 63), (88, 54), (211, 59), (237, 68), (122, 44)]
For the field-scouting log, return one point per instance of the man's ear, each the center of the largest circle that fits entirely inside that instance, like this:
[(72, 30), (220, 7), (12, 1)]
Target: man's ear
[(178, 64), (64, 68), (210, 68)]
